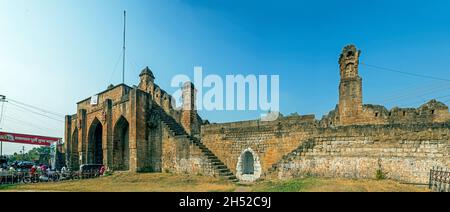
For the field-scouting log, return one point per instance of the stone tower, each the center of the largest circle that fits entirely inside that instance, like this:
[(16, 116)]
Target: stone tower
[(189, 110), (350, 87), (147, 80)]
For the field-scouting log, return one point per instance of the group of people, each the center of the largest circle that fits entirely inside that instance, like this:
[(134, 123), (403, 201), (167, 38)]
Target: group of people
[(40, 169), (44, 170)]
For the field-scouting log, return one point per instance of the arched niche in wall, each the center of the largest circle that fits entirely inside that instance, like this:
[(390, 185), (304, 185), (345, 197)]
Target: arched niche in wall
[(248, 168)]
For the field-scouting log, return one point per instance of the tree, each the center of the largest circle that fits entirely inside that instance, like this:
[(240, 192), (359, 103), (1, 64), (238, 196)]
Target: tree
[(40, 155)]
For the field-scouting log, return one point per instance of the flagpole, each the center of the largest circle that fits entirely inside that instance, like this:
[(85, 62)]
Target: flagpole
[(124, 48)]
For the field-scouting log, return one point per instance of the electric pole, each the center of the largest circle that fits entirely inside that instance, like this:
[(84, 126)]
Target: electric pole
[(3, 100), (23, 153)]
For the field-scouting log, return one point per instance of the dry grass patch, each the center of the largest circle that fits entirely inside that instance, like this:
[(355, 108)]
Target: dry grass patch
[(336, 185), (126, 182), (163, 182)]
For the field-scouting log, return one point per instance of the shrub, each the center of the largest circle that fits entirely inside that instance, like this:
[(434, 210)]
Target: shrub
[(380, 175)]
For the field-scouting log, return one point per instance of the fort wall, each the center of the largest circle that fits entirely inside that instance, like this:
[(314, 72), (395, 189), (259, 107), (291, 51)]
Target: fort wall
[(137, 129), (404, 152), (401, 152)]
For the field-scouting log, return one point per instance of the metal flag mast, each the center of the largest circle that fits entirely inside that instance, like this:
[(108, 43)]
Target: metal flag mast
[(124, 48)]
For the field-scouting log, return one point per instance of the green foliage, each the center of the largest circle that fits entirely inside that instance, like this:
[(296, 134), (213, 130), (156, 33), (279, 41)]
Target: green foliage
[(380, 175), (294, 185), (108, 173), (7, 187), (40, 155)]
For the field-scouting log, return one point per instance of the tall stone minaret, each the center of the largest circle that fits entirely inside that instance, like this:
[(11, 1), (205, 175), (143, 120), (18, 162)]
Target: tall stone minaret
[(350, 88)]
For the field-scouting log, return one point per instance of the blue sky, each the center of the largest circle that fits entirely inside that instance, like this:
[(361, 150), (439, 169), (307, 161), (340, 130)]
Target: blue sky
[(55, 53)]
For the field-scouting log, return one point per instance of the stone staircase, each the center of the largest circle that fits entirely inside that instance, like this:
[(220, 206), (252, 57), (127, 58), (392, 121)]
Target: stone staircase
[(177, 130), (300, 151)]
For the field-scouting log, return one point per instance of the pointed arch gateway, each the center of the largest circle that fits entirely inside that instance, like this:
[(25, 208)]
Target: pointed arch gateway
[(121, 150), (95, 138), (74, 150)]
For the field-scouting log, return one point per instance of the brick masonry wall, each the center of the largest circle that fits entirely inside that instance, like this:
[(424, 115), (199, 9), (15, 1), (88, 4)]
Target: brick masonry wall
[(179, 155), (404, 143), (269, 140), (402, 152)]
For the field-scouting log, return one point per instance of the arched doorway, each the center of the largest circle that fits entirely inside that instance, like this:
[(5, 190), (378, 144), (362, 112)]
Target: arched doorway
[(95, 143), (248, 163), (121, 150), (74, 150), (248, 168)]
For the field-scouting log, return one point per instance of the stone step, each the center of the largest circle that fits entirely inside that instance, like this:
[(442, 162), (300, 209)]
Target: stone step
[(229, 178), (208, 154), (224, 171), (226, 174), (217, 163), (232, 177), (221, 166), (201, 145)]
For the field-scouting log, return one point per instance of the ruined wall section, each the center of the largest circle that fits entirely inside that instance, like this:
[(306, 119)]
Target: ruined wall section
[(431, 112), (401, 152), (351, 110), (269, 140)]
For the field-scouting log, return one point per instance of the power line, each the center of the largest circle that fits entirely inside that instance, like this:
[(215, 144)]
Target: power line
[(37, 108), (446, 101), (419, 95), (21, 114), (43, 129), (414, 90), (4, 112), (405, 73), (2, 99), (424, 101), (28, 110)]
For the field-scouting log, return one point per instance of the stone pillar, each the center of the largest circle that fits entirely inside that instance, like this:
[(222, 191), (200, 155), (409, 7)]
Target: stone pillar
[(82, 136), (107, 135), (350, 87), (189, 109), (138, 130), (68, 140)]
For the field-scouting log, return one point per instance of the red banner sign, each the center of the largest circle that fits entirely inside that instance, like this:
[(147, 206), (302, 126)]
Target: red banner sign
[(28, 139)]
